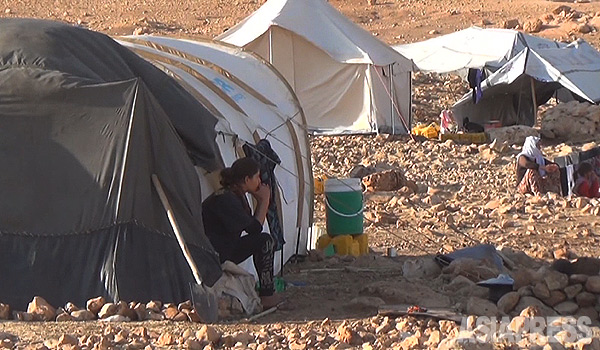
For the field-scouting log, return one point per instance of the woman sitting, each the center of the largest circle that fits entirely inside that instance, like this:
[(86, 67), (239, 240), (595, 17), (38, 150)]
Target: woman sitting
[(227, 214), (536, 174), (587, 182)]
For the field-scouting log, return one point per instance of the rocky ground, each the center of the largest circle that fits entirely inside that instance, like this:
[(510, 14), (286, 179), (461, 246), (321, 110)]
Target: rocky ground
[(452, 196), (459, 195)]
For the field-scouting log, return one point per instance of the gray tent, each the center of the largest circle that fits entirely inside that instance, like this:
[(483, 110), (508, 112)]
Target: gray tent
[(513, 92), (524, 71), (84, 123)]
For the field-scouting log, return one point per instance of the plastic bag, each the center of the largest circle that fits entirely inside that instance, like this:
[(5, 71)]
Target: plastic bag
[(446, 121)]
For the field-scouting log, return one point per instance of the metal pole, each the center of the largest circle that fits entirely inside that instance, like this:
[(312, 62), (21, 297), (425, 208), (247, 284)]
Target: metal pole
[(270, 46), (535, 106), (392, 99), (519, 104), (410, 115)]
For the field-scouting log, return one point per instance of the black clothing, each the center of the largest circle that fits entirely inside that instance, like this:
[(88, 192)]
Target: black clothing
[(260, 247), (522, 165), (266, 157), (475, 77), (226, 215), (472, 127)]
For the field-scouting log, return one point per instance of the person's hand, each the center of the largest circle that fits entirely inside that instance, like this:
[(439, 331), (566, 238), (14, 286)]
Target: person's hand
[(263, 193)]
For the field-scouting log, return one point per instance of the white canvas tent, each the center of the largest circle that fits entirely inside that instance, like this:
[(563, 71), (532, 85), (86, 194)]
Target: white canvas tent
[(530, 78), (473, 47), (346, 79), (252, 101), (523, 71)]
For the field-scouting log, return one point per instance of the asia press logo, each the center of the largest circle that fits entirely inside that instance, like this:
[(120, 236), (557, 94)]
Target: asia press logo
[(536, 329)]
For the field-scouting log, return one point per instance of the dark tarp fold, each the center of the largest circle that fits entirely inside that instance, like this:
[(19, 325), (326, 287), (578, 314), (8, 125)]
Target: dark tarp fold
[(79, 216), (92, 57)]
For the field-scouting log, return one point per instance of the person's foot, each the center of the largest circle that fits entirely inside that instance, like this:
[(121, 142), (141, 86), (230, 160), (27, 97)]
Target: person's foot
[(270, 301)]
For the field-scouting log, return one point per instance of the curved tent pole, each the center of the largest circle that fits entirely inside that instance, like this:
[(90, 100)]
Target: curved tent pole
[(534, 98), (391, 75)]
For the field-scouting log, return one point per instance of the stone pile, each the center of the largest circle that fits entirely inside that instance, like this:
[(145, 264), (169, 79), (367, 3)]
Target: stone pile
[(571, 120), (379, 332), (590, 206), (433, 93), (374, 333), (575, 22), (389, 180), (551, 292), (99, 309), (512, 135)]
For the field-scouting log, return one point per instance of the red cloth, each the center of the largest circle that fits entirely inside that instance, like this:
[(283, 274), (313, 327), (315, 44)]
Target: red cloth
[(588, 188)]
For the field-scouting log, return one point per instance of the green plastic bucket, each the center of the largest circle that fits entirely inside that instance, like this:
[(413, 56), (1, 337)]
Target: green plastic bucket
[(344, 206)]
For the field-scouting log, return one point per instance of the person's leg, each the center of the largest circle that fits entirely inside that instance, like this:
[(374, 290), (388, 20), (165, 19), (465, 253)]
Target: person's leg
[(531, 183), (260, 247), (523, 186), (237, 253), (263, 262)]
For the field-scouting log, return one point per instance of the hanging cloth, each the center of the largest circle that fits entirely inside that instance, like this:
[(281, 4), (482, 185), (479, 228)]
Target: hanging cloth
[(268, 160), (475, 77)]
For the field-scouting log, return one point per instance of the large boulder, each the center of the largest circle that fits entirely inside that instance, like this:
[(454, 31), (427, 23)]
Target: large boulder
[(475, 270), (525, 277), (421, 268), (571, 120), (593, 284), (512, 135), (389, 180), (527, 301), (41, 309), (556, 280), (463, 344), (508, 302), (533, 26), (481, 307), (566, 308), (4, 311), (461, 286), (94, 305)]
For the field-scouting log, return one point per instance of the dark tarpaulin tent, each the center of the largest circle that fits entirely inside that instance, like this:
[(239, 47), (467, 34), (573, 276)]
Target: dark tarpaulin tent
[(84, 123)]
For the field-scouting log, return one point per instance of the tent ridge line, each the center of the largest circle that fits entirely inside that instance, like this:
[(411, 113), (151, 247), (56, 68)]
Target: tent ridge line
[(211, 107), (204, 80), (215, 67), (126, 151)]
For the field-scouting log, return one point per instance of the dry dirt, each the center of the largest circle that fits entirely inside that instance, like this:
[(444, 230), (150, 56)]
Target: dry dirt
[(322, 289)]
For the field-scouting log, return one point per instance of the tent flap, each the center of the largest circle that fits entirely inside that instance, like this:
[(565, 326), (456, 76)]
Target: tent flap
[(332, 65), (254, 101)]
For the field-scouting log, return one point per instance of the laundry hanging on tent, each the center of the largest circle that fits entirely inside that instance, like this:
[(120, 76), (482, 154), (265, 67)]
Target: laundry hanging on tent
[(264, 154), (475, 77)]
